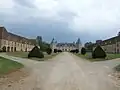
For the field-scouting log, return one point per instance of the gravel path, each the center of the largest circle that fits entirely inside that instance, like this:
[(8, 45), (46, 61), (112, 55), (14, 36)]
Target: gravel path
[(65, 72)]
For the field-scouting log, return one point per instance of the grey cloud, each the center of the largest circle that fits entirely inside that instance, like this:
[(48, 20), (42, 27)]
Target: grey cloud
[(46, 29), (26, 3)]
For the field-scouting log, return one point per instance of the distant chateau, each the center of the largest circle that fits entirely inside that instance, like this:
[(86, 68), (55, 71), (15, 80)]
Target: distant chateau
[(66, 46), (12, 43)]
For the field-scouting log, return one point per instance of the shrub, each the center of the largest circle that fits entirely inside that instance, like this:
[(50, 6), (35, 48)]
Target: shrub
[(55, 50), (73, 51), (77, 50), (49, 51), (59, 50), (83, 51), (35, 52), (98, 53)]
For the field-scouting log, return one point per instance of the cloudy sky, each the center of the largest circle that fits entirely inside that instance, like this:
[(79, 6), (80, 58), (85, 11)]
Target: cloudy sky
[(65, 20)]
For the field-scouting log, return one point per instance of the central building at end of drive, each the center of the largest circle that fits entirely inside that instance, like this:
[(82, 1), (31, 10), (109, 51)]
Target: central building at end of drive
[(66, 46)]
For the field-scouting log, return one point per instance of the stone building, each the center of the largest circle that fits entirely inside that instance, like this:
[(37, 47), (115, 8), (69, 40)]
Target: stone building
[(11, 42), (66, 46), (111, 45)]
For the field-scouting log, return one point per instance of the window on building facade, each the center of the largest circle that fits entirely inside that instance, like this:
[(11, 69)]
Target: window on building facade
[(117, 45), (4, 42)]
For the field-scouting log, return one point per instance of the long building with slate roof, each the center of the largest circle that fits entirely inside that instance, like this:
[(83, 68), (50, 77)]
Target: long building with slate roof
[(12, 42), (111, 45)]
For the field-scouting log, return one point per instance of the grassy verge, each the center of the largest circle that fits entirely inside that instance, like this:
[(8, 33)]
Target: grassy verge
[(18, 54), (25, 55), (46, 57), (7, 66), (88, 56)]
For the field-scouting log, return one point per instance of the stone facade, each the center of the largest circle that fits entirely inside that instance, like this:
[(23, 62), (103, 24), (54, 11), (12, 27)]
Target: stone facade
[(11, 42), (66, 46), (111, 45)]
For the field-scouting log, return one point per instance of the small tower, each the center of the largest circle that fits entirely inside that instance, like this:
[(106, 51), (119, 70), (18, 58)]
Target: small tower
[(79, 44), (53, 44)]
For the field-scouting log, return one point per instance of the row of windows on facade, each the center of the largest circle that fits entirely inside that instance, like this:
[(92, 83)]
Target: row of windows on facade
[(110, 42), (16, 44)]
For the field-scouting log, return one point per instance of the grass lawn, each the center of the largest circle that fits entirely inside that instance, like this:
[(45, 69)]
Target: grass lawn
[(46, 57), (25, 55), (88, 56), (7, 66), (18, 54)]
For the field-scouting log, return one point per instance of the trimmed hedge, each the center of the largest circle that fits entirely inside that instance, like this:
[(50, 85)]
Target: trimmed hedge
[(55, 50), (59, 50), (74, 51), (83, 51), (35, 52), (98, 53), (49, 51)]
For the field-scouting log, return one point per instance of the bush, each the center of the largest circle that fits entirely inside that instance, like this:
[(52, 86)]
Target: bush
[(59, 50), (83, 51), (77, 50), (55, 50), (35, 52), (49, 51), (98, 53), (74, 51)]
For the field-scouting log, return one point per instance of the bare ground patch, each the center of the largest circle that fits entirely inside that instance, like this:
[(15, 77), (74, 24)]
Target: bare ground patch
[(14, 77)]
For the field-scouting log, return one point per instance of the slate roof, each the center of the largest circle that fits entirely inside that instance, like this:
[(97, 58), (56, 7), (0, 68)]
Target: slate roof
[(65, 44), (109, 41)]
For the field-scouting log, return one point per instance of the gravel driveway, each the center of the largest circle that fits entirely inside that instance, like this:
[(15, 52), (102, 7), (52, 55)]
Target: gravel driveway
[(65, 72)]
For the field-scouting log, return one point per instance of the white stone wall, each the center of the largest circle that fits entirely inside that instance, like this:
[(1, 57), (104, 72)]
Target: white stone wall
[(12, 45)]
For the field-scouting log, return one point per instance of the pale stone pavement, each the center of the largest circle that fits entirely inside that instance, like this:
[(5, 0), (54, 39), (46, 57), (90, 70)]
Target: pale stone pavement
[(65, 72)]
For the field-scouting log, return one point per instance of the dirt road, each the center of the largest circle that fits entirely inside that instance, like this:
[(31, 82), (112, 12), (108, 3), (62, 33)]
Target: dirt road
[(65, 72)]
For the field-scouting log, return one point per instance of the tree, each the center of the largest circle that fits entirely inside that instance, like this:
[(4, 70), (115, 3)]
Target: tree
[(35, 52), (98, 53), (43, 45), (49, 51), (39, 41), (83, 51)]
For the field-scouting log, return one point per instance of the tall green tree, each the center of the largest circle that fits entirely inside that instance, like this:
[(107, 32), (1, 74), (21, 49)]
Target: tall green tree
[(43, 45)]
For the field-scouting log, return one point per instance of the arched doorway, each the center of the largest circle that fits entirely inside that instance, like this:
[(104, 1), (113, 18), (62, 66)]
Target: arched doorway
[(15, 49), (11, 49), (26, 50), (8, 49), (4, 49)]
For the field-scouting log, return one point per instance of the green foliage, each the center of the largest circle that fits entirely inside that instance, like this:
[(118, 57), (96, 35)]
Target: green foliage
[(35, 52), (55, 50), (77, 51), (98, 53), (59, 51), (74, 51), (83, 51), (44, 46), (8, 66), (49, 51)]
